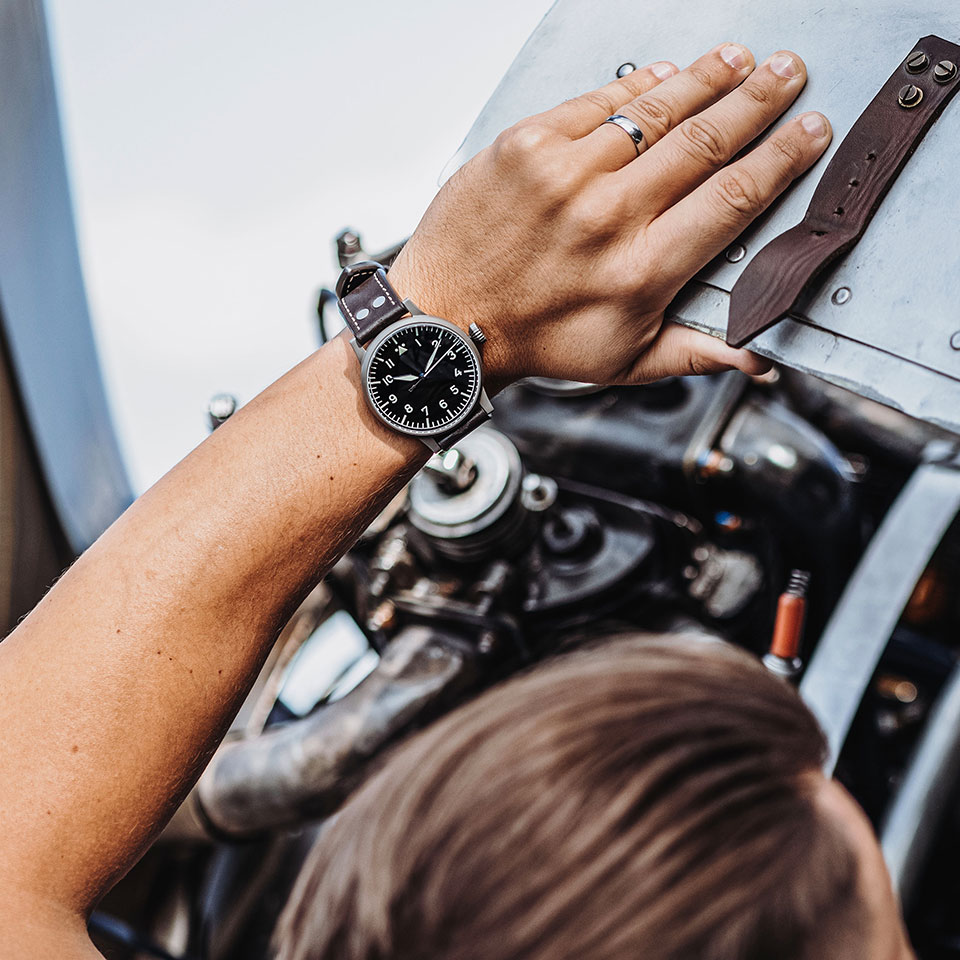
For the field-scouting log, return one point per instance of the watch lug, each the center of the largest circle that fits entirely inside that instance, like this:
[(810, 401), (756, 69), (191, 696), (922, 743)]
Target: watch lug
[(431, 444), (357, 349), (485, 402), (415, 311)]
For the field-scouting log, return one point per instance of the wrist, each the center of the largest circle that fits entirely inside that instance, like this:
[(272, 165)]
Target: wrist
[(424, 290), (408, 449)]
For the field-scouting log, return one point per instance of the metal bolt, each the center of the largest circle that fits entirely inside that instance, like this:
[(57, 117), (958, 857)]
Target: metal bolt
[(221, 407), (841, 295), (538, 493), (626, 68), (944, 71), (917, 62), (955, 341), (910, 96), (487, 643), (736, 253)]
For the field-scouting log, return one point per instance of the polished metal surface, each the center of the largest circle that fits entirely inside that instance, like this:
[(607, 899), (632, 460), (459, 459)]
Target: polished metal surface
[(862, 622), (629, 128), (42, 297), (452, 514), (890, 340)]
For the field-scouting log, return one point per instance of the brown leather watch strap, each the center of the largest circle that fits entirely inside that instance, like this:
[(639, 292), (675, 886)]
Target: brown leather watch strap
[(367, 301), (447, 440), (855, 182)]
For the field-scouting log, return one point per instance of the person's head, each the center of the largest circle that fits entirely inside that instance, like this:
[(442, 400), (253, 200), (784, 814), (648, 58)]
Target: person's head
[(654, 797)]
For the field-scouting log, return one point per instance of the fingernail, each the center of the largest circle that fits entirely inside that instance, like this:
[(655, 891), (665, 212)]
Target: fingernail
[(814, 123), (783, 65), (734, 55), (663, 70)]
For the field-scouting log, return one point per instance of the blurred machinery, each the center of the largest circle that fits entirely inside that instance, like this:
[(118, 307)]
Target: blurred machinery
[(805, 522)]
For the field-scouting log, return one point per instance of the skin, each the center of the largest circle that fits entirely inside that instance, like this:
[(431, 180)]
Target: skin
[(566, 248), (887, 937)]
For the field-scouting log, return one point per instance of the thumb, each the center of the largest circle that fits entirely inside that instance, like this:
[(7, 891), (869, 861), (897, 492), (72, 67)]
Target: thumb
[(680, 351)]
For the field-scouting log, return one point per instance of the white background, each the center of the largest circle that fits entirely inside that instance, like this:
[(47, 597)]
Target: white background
[(216, 147)]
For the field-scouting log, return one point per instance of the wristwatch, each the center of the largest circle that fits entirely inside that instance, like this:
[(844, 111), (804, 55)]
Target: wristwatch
[(421, 376)]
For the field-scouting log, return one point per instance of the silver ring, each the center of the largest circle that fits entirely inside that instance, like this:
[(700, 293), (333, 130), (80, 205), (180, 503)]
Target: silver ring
[(629, 128)]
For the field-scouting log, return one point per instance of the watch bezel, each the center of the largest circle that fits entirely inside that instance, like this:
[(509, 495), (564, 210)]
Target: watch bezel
[(370, 350)]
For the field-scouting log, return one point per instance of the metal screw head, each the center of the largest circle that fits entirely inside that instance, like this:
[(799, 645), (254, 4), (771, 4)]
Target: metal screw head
[(841, 295), (736, 253), (944, 71), (917, 62), (955, 341), (221, 407), (910, 95), (626, 68)]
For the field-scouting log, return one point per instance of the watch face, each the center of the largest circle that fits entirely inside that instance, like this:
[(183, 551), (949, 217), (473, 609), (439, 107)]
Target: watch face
[(422, 376)]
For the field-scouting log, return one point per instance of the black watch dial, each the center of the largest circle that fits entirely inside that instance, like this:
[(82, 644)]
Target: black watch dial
[(422, 377)]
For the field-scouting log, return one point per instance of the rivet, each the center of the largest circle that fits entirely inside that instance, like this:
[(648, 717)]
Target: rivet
[(841, 295), (917, 62), (363, 314), (221, 407), (910, 95), (736, 253), (944, 71), (626, 68), (955, 341)]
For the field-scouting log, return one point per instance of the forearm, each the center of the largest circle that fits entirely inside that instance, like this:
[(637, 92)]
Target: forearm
[(143, 651), (566, 243)]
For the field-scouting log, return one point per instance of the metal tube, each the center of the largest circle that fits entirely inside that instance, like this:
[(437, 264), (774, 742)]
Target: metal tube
[(915, 816)]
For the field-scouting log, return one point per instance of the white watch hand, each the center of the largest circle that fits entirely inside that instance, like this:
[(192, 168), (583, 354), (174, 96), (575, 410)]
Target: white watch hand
[(407, 376), (432, 355), (432, 365)]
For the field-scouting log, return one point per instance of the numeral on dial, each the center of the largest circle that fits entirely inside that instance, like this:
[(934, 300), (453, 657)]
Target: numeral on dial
[(432, 358)]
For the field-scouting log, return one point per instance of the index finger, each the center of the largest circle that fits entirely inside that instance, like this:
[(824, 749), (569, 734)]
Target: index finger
[(577, 117)]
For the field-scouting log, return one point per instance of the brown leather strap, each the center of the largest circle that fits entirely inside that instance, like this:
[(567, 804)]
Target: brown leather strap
[(855, 182), (447, 440), (367, 301)]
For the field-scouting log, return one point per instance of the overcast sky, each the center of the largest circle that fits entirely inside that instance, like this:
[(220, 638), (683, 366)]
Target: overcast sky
[(216, 147)]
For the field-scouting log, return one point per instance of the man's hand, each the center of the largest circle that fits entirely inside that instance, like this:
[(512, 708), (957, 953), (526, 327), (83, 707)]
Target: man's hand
[(566, 247)]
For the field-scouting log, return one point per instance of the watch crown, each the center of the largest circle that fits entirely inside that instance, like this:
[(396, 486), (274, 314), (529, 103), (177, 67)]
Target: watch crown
[(477, 335)]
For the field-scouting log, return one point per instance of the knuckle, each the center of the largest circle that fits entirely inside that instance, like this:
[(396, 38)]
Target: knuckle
[(697, 365), (705, 141), (531, 154), (595, 216), (651, 113), (704, 77), (790, 150), (757, 92), (636, 84), (601, 99), (522, 142), (739, 195)]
